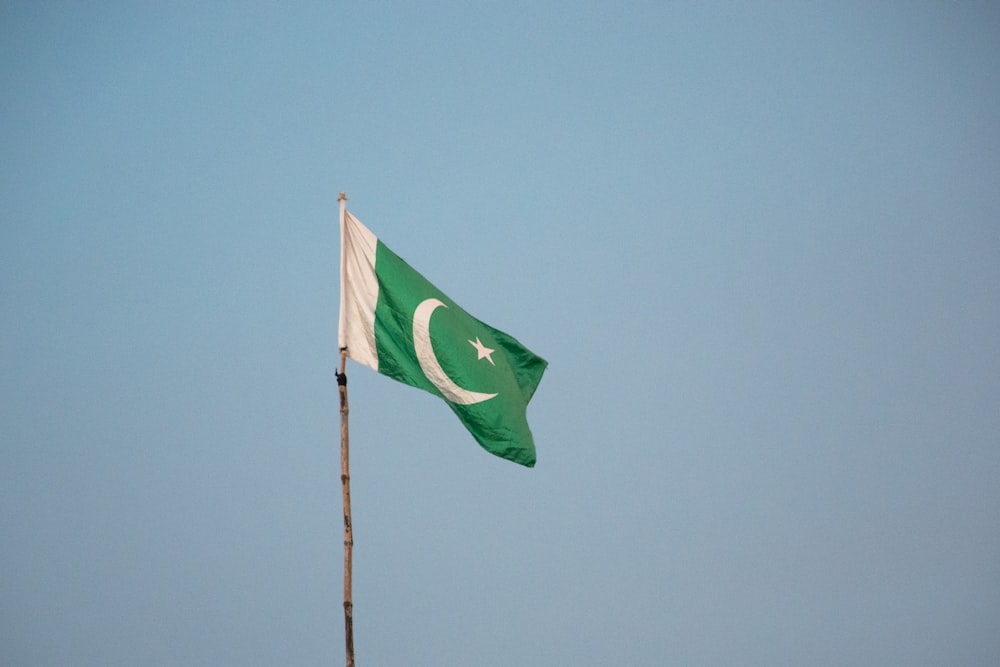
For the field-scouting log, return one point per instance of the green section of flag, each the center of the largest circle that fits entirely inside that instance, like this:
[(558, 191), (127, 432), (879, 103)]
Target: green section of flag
[(473, 355)]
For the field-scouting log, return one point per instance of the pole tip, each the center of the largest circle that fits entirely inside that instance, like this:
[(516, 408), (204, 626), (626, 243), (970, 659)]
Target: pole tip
[(342, 197)]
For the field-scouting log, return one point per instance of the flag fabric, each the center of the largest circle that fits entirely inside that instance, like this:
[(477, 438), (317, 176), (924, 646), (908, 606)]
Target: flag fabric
[(396, 322)]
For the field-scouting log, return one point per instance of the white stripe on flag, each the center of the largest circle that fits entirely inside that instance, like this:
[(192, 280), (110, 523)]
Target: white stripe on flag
[(358, 291)]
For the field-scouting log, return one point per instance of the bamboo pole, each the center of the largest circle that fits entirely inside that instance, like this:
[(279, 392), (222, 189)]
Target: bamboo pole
[(345, 483)]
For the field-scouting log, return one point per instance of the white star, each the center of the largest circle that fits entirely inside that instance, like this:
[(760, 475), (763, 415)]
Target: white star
[(482, 351)]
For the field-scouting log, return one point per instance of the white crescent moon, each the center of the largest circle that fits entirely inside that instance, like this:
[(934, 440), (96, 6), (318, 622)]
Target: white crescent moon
[(429, 363)]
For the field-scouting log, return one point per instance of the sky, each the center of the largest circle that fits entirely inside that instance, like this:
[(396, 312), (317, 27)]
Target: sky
[(757, 243)]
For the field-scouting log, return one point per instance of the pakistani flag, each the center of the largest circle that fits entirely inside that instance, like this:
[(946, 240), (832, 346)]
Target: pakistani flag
[(394, 320)]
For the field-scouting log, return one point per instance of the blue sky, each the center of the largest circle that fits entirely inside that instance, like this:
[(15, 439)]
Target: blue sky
[(758, 243)]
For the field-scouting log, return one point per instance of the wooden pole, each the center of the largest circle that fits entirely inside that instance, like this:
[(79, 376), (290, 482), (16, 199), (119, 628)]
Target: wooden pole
[(345, 483)]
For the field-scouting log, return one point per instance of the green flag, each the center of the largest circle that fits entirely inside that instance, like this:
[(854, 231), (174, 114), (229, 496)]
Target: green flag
[(395, 321)]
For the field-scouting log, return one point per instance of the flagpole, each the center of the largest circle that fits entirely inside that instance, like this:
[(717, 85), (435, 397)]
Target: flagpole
[(345, 479)]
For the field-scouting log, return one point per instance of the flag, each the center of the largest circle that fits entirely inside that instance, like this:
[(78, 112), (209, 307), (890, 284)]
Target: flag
[(396, 322)]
